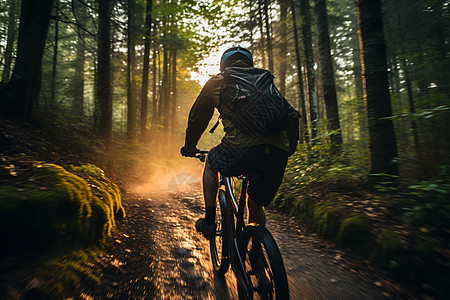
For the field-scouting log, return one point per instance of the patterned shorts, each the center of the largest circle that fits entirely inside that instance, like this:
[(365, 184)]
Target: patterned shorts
[(267, 161)]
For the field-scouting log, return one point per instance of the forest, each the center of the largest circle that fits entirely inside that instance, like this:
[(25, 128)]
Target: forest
[(109, 84)]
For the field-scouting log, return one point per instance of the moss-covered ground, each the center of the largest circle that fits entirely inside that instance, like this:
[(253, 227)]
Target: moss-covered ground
[(53, 220), (403, 230)]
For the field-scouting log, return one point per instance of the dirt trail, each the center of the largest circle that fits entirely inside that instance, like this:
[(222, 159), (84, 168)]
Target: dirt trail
[(158, 255)]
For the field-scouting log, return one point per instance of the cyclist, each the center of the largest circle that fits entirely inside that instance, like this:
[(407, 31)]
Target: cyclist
[(238, 153)]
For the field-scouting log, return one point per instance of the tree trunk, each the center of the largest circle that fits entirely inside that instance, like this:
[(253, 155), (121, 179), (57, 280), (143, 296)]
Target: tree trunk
[(359, 94), (131, 103), (165, 89), (310, 72), (268, 36), (146, 69), (301, 88), (408, 81), (173, 106), (382, 141), (327, 73), (22, 90), (442, 48), (283, 46), (104, 89), (55, 60), (155, 77), (78, 80), (261, 31), (10, 39)]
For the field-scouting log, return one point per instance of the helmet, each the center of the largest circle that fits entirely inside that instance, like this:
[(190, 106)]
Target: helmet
[(234, 54)]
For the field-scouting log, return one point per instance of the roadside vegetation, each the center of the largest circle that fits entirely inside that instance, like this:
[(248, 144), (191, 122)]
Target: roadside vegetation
[(400, 223)]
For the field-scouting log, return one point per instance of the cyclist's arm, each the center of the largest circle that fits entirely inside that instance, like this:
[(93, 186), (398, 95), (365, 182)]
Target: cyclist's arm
[(201, 113)]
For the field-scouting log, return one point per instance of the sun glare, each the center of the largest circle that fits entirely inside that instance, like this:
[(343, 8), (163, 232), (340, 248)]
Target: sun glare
[(209, 66)]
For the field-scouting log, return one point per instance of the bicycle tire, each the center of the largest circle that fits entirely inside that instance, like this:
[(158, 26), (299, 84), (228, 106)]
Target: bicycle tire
[(219, 244), (264, 266)]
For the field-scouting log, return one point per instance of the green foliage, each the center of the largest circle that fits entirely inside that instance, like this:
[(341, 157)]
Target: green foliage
[(304, 168), (283, 202), (71, 133), (43, 205), (390, 248), (105, 190), (355, 234), (328, 220), (424, 205), (423, 114), (429, 207), (59, 273)]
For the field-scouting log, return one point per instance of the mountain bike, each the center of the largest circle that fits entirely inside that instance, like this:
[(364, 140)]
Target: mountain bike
[(250, 249)]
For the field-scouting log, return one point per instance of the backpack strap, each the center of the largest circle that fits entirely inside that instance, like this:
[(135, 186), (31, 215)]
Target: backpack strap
[(215, 125)]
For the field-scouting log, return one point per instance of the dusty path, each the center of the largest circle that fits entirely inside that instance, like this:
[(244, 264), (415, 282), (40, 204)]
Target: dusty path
[(158, 255)]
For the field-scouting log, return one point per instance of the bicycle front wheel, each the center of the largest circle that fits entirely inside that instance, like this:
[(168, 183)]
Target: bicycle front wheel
[(263, 265), (219, 244)]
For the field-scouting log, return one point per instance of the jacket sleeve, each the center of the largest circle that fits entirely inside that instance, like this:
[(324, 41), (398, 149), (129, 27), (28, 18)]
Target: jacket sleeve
[(201, 113)]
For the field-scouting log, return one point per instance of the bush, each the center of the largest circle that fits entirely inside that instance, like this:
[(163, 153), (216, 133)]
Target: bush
[(355, 233), (44, 205)]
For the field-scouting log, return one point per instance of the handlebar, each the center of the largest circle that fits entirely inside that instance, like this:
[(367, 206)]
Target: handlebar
[(201, 155)]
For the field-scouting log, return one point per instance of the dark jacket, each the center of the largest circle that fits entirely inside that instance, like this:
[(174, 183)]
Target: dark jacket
[(203, 110)]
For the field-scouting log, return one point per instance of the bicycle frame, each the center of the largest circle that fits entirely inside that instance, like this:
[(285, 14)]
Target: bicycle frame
[(238, 207), (227, 198), (235, 238)]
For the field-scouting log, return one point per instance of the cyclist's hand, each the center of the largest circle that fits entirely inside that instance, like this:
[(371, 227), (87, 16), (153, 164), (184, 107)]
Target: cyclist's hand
[(188, 153)]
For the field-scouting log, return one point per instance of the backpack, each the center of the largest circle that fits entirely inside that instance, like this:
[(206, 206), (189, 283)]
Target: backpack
[(257, 107)]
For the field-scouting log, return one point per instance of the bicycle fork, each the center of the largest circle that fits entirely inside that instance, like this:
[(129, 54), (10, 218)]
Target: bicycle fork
[(239, 269)]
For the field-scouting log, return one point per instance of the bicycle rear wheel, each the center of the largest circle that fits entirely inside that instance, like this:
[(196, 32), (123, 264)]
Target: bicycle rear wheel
[(219, 244), (263, 265)]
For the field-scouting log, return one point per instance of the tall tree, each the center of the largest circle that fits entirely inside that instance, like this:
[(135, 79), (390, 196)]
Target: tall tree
[(283, 46), (301, 99), (382, 141), (146, 69), (55, 56), (327, 73), (104, 85), (268, 34), (309, 70), (173, 100), (164, 105), (155, 76), (261, 32), (10, 39), (359, 93), (78, 77), (131, 97), (18, 96)]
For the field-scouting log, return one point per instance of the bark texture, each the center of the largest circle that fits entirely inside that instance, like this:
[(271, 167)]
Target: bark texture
[(104, 88), (18, 96), (327, 72), (382, 141)]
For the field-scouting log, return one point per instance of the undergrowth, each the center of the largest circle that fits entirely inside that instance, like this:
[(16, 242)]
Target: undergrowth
[(410, 237), (44, 205)]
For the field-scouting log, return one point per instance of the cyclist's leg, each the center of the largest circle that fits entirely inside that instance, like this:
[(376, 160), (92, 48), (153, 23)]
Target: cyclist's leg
[(219, 160), (256, 213), (207, 225), (210, 188), (263, 188)]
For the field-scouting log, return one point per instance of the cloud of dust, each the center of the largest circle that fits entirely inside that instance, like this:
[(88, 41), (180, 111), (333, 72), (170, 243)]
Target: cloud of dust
[(171, 173)]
